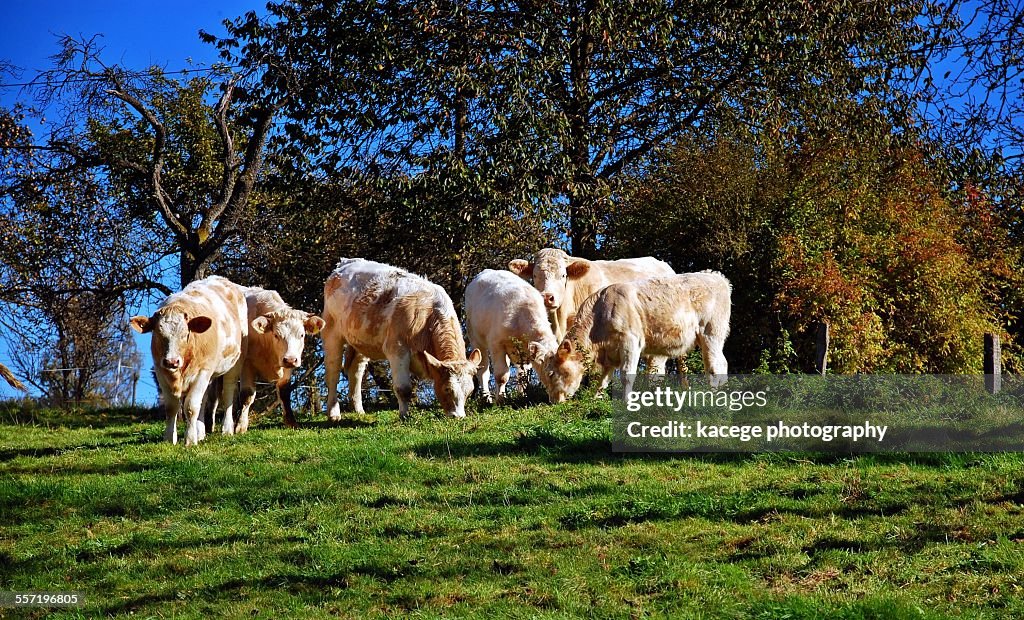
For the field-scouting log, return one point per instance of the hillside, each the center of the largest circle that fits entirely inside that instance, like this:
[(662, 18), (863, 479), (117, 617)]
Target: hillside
[(520, 512)]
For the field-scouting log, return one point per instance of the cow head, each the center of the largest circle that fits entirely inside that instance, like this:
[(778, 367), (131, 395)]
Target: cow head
[(538, 355), (562, 371), (551, 272), (289, 329), (453, 381), (171, 329)]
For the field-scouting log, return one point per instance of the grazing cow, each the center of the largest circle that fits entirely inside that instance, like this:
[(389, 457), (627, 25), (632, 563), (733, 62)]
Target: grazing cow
[(199, 334), (277, 336), (382, 312), (10, 378), (658, 316), (565, 281), (506, 316)]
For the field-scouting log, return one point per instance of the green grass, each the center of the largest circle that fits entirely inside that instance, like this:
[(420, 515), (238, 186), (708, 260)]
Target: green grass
[(521, 512)]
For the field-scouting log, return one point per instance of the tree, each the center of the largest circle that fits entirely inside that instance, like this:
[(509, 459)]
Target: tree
[(549, 103), (69, 259), (850, 227), (174, 158)]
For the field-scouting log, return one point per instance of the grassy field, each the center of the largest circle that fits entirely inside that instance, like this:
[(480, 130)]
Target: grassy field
[(521, 512)]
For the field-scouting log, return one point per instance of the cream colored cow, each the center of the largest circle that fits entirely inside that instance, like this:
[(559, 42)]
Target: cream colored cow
[(565, 281), (663, 316), (506, 317), (377, 311)]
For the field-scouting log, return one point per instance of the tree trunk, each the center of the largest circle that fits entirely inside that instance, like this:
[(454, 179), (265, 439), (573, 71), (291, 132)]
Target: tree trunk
[(583, 234)]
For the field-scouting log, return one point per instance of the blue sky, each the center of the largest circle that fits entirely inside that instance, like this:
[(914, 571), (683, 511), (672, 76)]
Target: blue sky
[(135, 34)]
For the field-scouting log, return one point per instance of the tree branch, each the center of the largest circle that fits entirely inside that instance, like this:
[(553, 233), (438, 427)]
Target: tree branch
[(179, 229)]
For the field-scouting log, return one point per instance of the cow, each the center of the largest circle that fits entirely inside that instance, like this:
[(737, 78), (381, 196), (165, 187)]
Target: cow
[(506, 317), (565, 282), (11, 379), (199, 333), (277, 336), (375, 311), (665, 316)]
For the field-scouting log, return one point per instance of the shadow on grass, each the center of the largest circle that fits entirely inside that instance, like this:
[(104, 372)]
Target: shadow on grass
[(558, 447), (113, 469), (349, 420), (132, 439), (297, 584), (135, 546), (78, 418)]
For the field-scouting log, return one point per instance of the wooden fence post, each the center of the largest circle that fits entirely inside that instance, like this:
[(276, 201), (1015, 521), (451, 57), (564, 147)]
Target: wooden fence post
[(821, 353), (993, 364)]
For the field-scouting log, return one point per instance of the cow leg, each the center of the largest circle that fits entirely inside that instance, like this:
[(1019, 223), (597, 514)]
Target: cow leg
[(172, 409), (193, 409), (211, 402), (246, 398), (227, 395), (501, 372), (284, 394), (401, 375), (334, 350), (630, 365), (656, 364), (715, 365), (606, 378), (355, 370), (483, 375)]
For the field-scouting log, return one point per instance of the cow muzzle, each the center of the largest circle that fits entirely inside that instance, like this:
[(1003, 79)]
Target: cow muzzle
[(172, 363), (549, 301), (290, 362)]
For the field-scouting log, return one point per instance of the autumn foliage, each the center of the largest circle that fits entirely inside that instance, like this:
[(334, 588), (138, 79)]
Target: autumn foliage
[(833, 229)]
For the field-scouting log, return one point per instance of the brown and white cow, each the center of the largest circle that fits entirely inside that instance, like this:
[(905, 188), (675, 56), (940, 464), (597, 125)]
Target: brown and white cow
[(663, 316), (377, 311), (277, 337), (199, 333), (565, 281), (506, 317)]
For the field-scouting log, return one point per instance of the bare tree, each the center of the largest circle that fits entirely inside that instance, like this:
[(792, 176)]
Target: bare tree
[(155, 137)]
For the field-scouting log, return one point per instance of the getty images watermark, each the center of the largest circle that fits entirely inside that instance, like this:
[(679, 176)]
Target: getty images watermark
[(850, 414)]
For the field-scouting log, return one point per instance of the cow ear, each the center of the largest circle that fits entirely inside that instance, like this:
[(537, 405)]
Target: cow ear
[(577, 269), (565, 350), (260, 324), (314, 324), (200, 324), (141, 324), (522, 268), (536, 352), (474, 358), (432, 361)]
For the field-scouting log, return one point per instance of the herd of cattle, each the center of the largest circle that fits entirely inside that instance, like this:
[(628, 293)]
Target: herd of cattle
[(578, 314)]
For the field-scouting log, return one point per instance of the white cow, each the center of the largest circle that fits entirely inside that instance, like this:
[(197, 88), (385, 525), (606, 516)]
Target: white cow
[(658, 316), (382, 312), (506, 317), (277, 338), (199, 334)]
